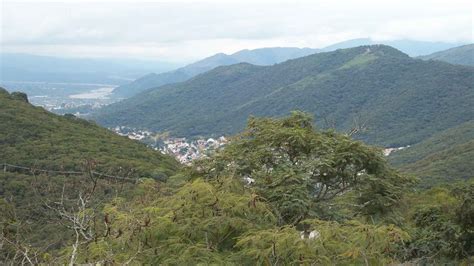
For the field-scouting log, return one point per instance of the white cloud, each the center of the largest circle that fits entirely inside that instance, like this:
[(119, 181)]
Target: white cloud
[(446, 28), (190, 29)]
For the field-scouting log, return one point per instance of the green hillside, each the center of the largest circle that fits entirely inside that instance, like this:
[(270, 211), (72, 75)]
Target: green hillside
[(31, 136), (446, 155), (53, 164), (400, 100), (317, 197), (462, 55), (266, 56), (262, 56)]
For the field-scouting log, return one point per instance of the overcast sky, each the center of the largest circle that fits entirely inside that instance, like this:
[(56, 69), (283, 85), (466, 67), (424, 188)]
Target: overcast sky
[(187, 30)]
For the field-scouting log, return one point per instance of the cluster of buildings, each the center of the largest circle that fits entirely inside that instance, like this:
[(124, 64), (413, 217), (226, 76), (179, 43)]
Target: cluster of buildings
[(187, 151), (133, 133), (59, 105), (182, 149)]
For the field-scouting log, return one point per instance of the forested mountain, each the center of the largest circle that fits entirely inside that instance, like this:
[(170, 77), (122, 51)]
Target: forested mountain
[(462, 55), (282, 192), (266, 56), (398, 99), (263, 56), (270, 56), (35, 68), (410, 47), (188, 133), (33, 137), (445, 156), (56, 172)]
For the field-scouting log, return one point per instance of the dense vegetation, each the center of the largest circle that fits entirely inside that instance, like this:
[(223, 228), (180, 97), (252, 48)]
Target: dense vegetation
[(282, 192), (30, 136), (462, 55), (263, 56), (398, 99), (35, 198), (445, 156)]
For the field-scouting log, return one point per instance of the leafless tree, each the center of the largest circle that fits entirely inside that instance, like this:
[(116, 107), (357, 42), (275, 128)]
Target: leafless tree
[(78, 213), (359, 125), (71, 199), (11, 237)]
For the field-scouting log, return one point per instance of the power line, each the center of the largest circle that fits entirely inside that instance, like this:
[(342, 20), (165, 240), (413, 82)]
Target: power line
[(6, 167)]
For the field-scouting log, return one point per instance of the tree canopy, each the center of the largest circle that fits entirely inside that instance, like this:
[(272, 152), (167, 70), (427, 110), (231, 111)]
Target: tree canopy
[(283, 192), (298, 168)]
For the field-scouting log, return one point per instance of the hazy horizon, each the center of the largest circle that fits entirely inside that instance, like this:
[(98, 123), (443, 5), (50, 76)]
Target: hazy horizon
[(184, 32), (178, 63)]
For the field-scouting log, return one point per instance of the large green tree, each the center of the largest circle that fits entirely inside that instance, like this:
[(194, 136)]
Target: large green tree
[(297, 168)]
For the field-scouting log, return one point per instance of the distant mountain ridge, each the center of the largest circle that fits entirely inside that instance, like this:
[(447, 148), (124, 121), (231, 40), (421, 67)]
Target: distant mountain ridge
[(400, 99), (26, 67), (410, 47), (266, 56), (263, 56), (462, 55)]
